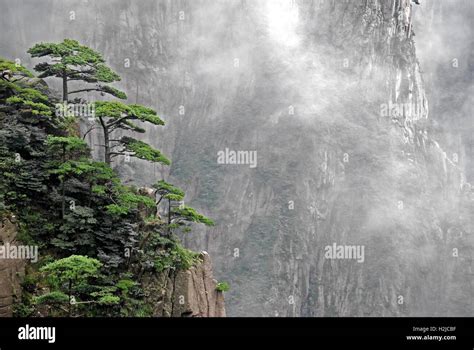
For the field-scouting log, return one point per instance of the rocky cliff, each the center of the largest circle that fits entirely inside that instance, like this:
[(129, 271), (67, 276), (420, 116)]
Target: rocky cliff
[(176, 289), (11, 270), (185, 293), (333, 100), (181, 293)]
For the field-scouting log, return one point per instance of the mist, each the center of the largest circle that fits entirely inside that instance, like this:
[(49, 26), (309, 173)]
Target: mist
[(302, 84)]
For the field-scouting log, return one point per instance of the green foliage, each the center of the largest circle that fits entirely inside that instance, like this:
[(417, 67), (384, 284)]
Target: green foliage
[(33, 226), (222, 287), (80, 167), (67, 143), (14, 67), (110, 109), (117, 210), (21, 155), (109, 300), (169, 191), (172, 255), (128, 199), (23, 310), (34, 107), (186, 213), (113, 115), (28, 94), (77, 231), (145, 114), (27, 98), (53, 298), (125, 285), (74, 268), (75, 62), (45, 167), (72, 288), (69, 280), (181, 216), (114, 92), (105, 296), (118, 112), (142, 150)]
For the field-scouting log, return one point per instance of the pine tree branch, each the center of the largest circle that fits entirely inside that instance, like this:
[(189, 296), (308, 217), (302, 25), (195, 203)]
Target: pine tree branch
[(88, 131), (83, 90), (118, 121)]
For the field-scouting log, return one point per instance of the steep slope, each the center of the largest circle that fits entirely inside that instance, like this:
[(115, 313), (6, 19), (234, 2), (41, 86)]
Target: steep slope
[(444, 38), (186, 293), (340, 122), (11, 271), (126, 264)]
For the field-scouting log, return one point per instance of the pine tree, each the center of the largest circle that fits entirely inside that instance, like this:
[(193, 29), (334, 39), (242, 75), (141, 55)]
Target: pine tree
[(72, 62), (114, 116), (178, 213), (44, 166), (65, 274)]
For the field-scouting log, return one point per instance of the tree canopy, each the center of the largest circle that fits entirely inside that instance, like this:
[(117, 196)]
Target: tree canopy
[(95, 232), (113, 116), (73, 62)]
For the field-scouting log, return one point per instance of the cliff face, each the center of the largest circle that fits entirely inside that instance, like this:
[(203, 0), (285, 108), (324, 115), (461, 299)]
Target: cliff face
[(11, 270), (188, 293), (444, 38), (181, 293), (339, 117)]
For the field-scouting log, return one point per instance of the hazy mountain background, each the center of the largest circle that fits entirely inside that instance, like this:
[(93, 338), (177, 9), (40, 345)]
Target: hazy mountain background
[(303, 84)]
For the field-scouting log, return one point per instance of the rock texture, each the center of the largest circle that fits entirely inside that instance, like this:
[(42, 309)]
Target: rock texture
[(188, 293), (11, 270), (332, 168)]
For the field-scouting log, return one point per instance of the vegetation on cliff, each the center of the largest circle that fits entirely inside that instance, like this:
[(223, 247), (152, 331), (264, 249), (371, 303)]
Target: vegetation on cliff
[(96, 235)]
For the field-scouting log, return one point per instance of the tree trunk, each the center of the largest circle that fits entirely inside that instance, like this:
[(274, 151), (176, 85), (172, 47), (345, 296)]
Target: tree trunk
[(169, 217), (106, 142), (65, 93), (63, 190), (90, 195), (63, 200), (107, 148), (70, 294)]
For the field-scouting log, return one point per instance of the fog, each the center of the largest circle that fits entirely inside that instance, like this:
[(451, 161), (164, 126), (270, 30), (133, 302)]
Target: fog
[(301, 83)]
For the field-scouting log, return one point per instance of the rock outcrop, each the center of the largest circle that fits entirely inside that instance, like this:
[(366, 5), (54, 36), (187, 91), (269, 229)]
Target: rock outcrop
[(11, 270), (185, 293)]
